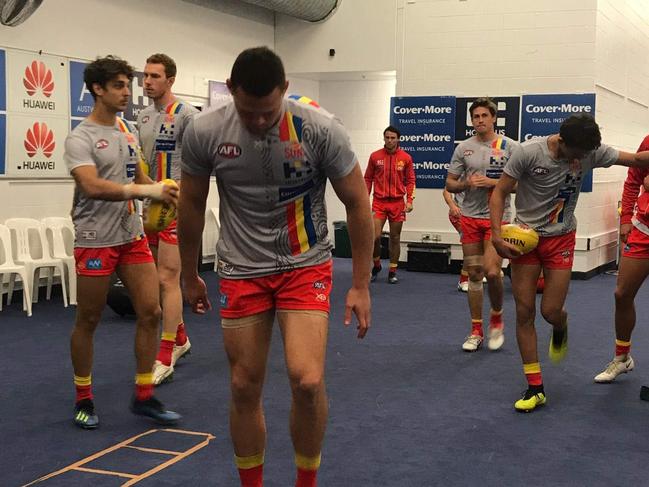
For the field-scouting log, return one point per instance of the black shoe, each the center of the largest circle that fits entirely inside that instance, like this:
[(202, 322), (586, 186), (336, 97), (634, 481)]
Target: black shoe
[(375, 271), (558, 344), (392, 278), (152, 408), (84, 415)]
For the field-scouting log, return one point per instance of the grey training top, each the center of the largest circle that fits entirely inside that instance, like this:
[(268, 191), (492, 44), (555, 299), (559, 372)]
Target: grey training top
[(115, 152), (548, 189), (473, 156), (161, 134), (271, 188)]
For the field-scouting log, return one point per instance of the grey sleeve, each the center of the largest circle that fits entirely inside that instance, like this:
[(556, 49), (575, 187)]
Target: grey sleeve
[(517, 163), (457, 166), (194, 158), (605, 156), (77, 152), (339, 158)]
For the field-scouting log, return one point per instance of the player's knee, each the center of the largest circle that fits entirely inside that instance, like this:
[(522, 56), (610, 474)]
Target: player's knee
[(87, 321), (623, 296), (307, 386), (150, 315), (493, 275), (525, 314), (245, 388), (551, 313)]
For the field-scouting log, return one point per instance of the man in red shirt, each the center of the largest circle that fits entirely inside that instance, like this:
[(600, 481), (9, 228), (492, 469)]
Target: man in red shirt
[(392, 173), (634, 266)]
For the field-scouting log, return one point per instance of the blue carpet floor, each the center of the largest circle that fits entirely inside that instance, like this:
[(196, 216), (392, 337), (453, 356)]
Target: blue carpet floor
[(407, 406)]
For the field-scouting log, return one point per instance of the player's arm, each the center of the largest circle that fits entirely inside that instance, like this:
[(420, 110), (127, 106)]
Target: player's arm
[(94, 187), (191, 220), (633, 159), (369, 175), (453, 209), (353, 193), (411, 180), (505, 186)]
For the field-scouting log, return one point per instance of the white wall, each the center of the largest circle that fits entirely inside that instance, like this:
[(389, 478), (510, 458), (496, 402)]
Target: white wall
[(204, 43), (361, 31)]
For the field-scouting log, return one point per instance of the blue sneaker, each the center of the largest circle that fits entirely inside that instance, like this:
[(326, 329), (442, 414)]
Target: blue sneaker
[(84, 415), (152, 408)]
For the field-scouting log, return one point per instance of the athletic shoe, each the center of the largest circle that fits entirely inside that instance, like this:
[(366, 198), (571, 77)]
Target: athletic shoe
[(463, 286), (496, 338), (162, 373), (472, 343), (180, 351), (375, 271), (152, 408), (392, 278), (558, 344), (84, 415), (532, 398), (615, 368)]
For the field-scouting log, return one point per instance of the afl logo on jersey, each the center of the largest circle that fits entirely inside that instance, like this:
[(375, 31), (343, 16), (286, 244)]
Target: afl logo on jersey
[(145, 119), (467, 153), (229, 150), (539, 171), (101, 144)]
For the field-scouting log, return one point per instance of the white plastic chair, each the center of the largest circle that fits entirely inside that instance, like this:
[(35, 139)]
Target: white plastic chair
[(59, 232), (30, 249), (8, 266), (214, 212)]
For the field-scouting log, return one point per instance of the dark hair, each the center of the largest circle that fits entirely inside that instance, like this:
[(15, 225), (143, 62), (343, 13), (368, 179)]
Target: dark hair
[(581, 132), (166, 61), (392, 128), (485, 102), (258, 71), (104, 69)]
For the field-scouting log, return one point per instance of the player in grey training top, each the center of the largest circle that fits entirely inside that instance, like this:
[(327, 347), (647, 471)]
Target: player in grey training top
[(549, 172), (272, 158), (161, 126), (104, 158), (475, 168)]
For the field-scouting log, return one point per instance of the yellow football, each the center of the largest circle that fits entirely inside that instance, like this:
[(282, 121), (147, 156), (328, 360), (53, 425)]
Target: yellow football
[(523, 238), (158, 215)]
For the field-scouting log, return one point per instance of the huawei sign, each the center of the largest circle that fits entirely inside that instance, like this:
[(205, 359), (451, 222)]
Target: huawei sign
[(39, 137), (38, 77)]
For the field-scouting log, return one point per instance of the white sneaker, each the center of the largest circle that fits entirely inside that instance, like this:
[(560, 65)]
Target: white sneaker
[(463, 286), (162, 373), (484, 279), (472, 343), (180, 351), (615, 368), (496, 338)]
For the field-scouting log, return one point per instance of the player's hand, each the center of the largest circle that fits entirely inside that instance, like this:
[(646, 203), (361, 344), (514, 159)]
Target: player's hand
[(480, 181), (358, 302), (169, 194), (454, 211), (505, 249), (196, 294), (408, 207), (625, 230)]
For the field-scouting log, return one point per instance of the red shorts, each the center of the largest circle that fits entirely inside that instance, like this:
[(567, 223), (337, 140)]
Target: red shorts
[(104, 260), (475, 230), (168, 235), (551, 252), (306, 288), (637, 245), (391, 209), (456, 222)]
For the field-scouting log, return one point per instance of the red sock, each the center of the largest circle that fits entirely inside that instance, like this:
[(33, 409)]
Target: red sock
[(476, 328), (181, 335), (622, 347), (464, 277), (496, 320), (143, 386), (533, 374), (377, 263), (83, 386), (164, 354), (306, 478), (252, 477)]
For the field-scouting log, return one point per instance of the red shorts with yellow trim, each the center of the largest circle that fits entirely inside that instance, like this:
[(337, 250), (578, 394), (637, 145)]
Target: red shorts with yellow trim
[(168, 235), (103, 261), (306, 288), (637, 245), (391, 209), (474, 230), (551, 252)]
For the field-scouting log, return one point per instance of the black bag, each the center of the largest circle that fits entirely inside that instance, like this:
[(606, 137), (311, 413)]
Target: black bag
[(118, 298)]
